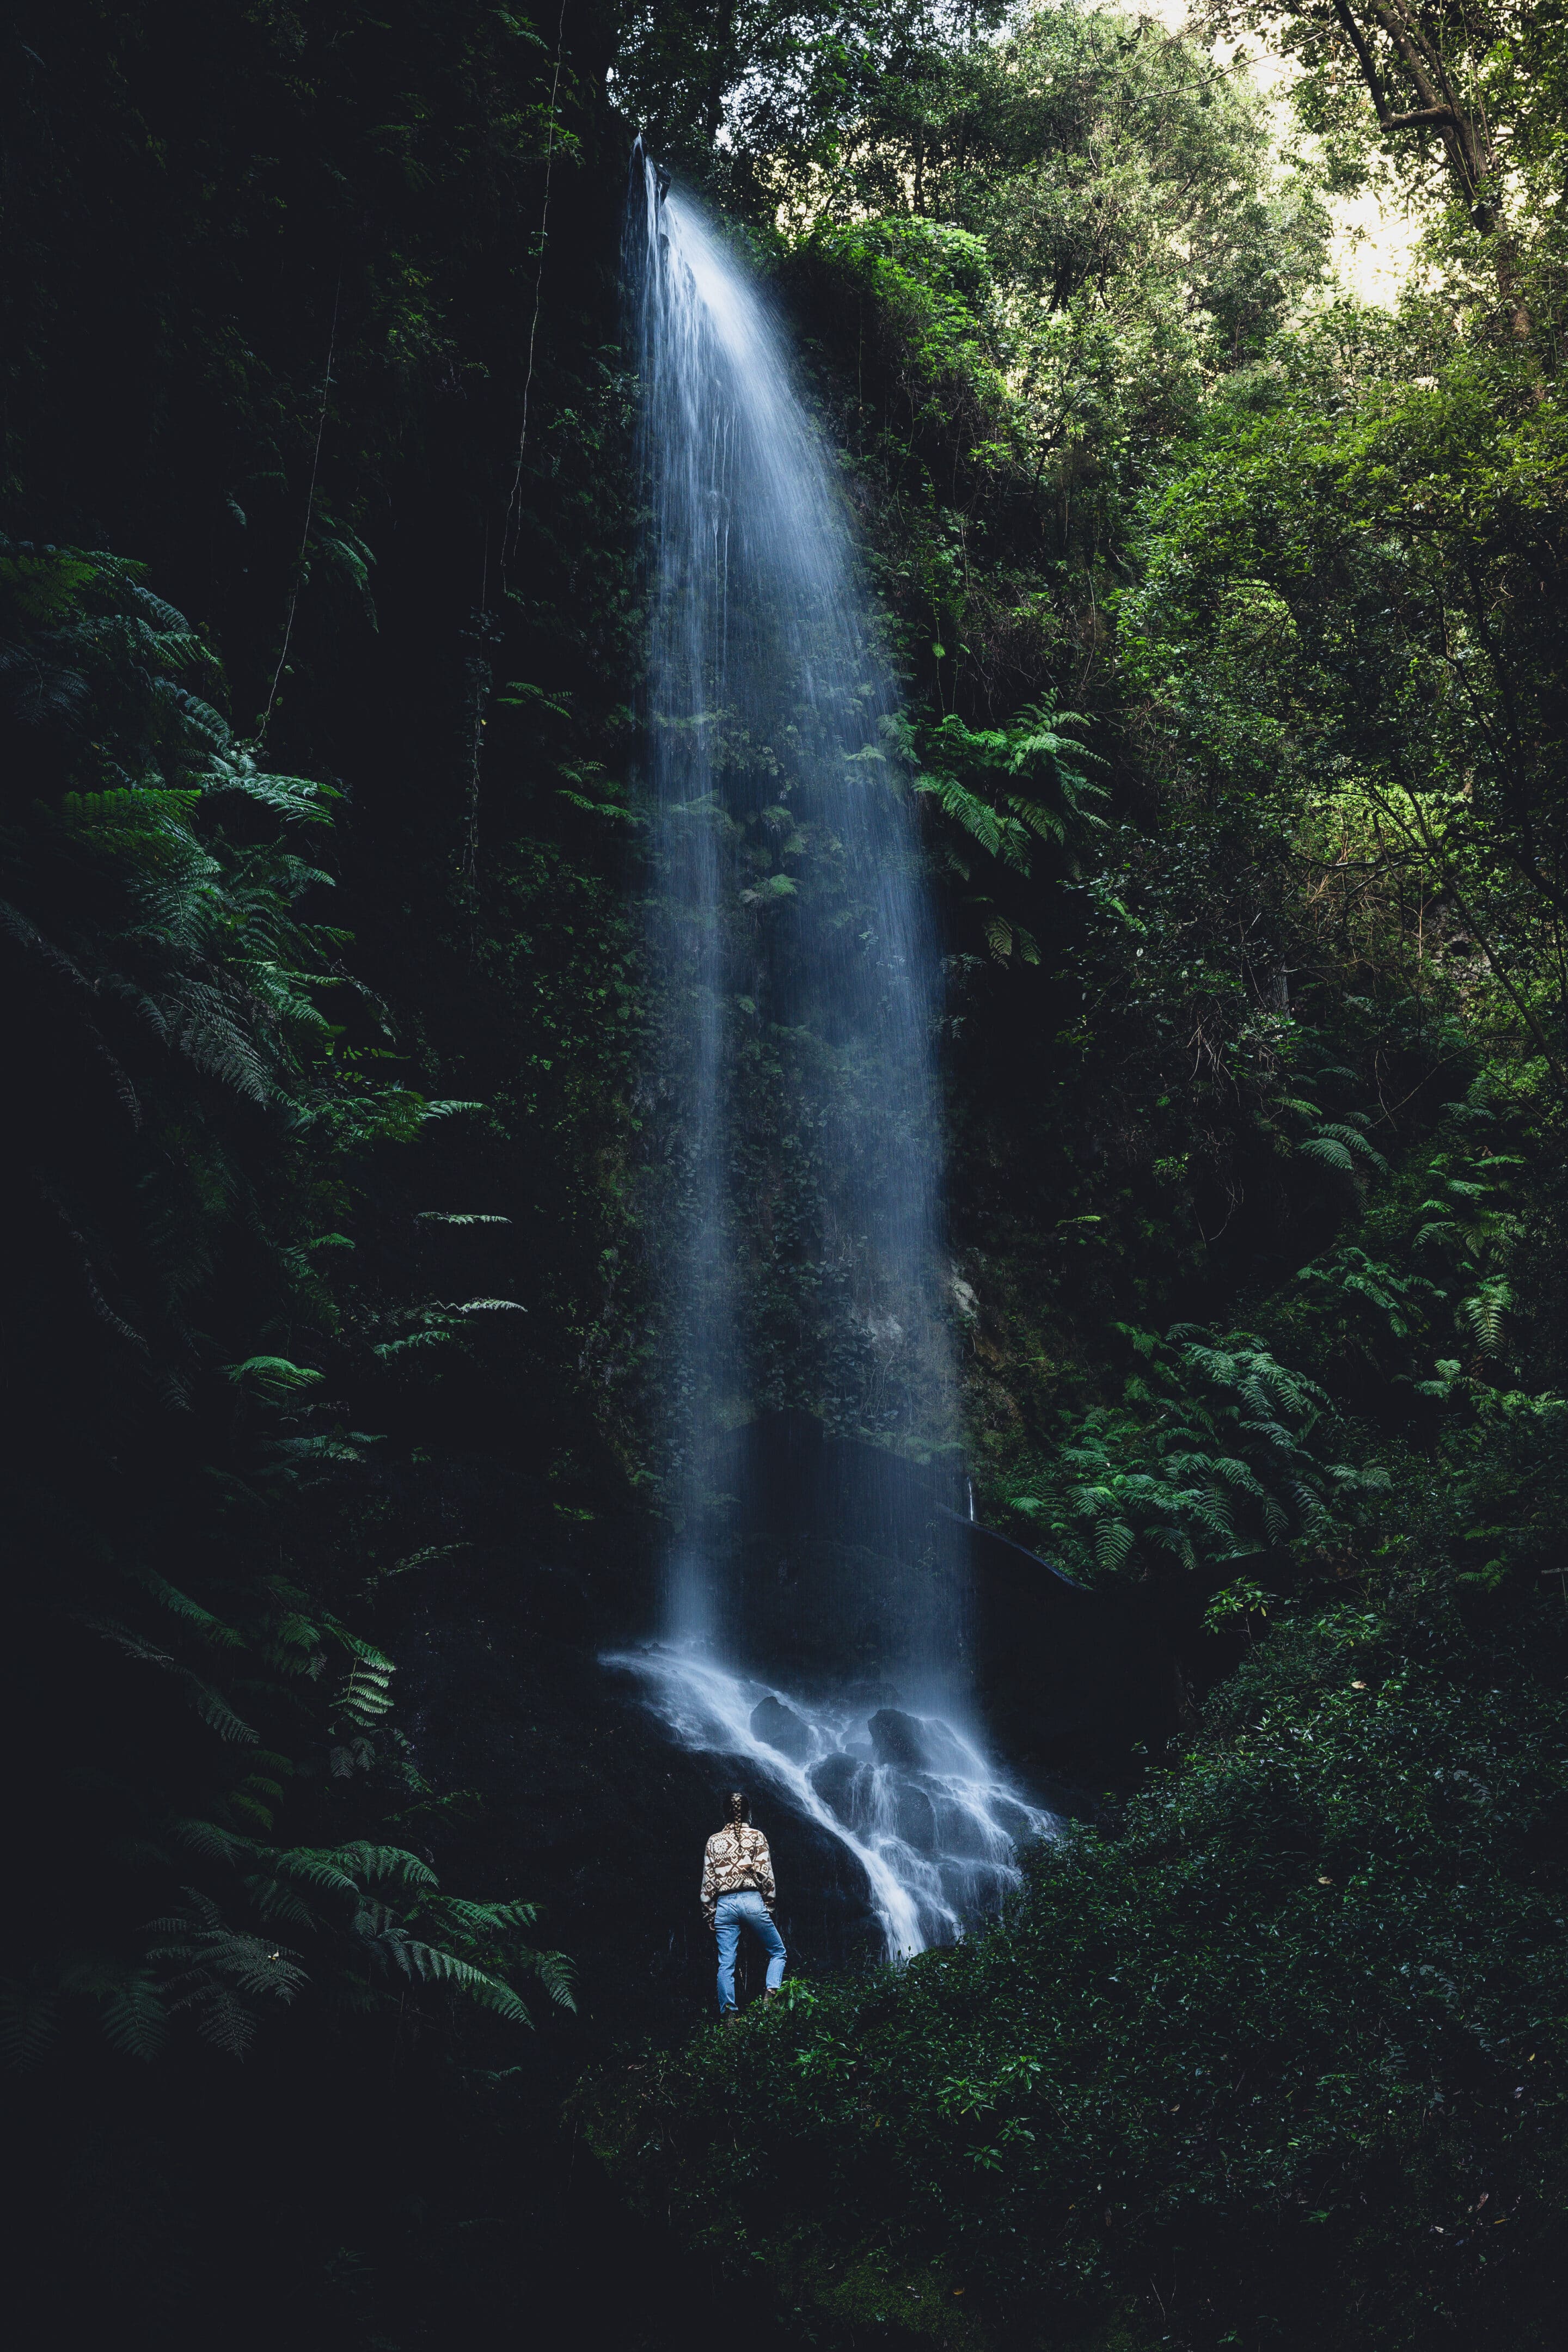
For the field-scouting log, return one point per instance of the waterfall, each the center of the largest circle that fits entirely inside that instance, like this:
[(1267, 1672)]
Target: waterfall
[(796, 1215)]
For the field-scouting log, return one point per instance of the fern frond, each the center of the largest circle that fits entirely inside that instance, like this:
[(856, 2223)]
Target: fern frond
[(202, 718), (294, 797), (1114, 1542), (202, 1021), (321, 1871), (976, 815), (180, 1605), (1215, 1513), (439, 1966), (554, 1972), (1040, 820), (1354, 1140), (364, 1696), (208, 1841), (273, 1377), (999, 937), (1173, 1540), (222, 2018), (1329, 1150), (214, 1970), (135, 1645), (217, 1713), (27, 2025), (1484, 1310), (152, 608), (243, 1801), (280, 1906), (370, 1862), (455, 1911), (134, 2020)]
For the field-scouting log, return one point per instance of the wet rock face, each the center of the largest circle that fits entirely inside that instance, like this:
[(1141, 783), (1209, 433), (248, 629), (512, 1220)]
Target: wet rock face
[(960, 1836), (915, 1743), (914, 1819), (781, 1727), (898, 1738), (1014, 1820), (834, 1781)]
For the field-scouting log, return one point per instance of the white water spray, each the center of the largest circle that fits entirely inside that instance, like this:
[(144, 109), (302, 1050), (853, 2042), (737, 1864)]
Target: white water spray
[(935, 1831)]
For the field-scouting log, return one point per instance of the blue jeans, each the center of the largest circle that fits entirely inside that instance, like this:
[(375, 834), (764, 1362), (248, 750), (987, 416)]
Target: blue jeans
[(730, 1910)]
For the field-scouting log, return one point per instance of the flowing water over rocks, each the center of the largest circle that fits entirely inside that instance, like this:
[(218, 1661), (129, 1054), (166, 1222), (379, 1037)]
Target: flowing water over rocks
[(795, 1161), (913, 1800)]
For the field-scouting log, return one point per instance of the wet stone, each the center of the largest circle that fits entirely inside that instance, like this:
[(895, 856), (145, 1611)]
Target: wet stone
[(915, 1819), (944, 1751), (834, 1780), (896, 1738), (778, 1725), (964, 1836)]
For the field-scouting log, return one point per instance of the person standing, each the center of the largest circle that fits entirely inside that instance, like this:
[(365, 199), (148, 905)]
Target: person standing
[(738, 1890)]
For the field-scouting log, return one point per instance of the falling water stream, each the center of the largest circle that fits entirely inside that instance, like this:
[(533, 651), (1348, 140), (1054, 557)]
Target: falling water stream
[(792, 1090)]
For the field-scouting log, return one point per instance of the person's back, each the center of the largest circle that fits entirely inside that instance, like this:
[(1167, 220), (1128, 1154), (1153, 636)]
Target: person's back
[(738, 1890)]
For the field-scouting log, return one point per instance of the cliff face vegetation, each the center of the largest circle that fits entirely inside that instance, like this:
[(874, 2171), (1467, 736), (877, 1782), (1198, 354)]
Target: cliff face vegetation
[(356, 1978)]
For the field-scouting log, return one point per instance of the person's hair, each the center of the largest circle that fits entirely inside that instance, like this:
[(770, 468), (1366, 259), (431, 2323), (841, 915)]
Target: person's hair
[(737, 1806)]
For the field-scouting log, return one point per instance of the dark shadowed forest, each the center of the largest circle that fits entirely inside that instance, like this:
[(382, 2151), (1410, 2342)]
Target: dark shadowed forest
[(356, 1993)]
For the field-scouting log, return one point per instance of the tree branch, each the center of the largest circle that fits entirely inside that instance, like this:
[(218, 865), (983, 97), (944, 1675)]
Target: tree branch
[(1468, 152)]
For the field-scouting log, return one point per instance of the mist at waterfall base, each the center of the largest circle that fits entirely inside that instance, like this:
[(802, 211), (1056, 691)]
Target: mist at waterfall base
[(792, 1097)]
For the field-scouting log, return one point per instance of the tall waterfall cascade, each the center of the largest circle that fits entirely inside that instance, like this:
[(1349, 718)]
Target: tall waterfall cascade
[(797, 1224)]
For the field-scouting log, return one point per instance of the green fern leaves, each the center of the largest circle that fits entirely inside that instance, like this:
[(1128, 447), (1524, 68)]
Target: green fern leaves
[(1217, 1458), (364, 1696), (219, 1973), (1484, 1310), (1010, 790), (164, 966)]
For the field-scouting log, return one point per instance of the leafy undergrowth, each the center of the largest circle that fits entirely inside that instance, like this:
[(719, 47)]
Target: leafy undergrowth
[(1281, 2060)]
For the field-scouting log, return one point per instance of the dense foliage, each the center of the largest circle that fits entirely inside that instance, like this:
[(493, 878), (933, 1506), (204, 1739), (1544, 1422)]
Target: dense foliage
[(1230, 617), (1294, 2023), (1234, 606), (170, 994)]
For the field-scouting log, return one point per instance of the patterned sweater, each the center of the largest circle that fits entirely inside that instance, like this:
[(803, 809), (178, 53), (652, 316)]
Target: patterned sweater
[(736, 1862)]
